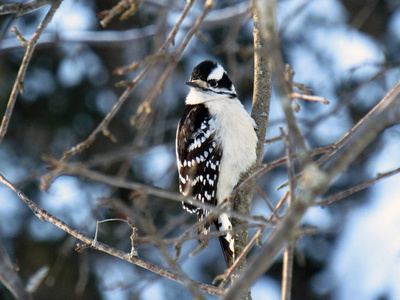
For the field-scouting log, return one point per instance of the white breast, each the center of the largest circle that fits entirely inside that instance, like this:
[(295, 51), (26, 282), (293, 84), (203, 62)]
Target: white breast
[(235, 131)]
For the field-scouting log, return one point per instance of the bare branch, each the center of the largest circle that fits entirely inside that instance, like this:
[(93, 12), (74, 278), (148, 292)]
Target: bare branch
[(108, 15), (20, 9), (267, 15), (309, 98), (90, 243), (269, 204), (265, 168), (19, 82), (287, 271), (357, 188), (385, 114), (350, 134), (20, 38)]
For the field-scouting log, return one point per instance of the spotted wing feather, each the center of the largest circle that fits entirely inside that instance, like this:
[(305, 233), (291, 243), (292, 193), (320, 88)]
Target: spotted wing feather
[(199, 159)]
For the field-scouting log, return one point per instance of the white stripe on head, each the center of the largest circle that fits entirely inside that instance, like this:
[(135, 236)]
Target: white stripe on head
[(217, 73)]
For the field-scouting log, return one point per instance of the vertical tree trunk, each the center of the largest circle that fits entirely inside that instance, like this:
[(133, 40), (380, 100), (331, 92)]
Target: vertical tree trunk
[(260, 113)]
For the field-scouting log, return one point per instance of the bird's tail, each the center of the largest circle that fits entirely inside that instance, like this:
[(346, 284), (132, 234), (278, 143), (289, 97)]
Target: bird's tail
[(226, 240)]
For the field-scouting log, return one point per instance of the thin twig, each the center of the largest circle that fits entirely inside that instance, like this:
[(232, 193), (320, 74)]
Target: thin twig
[(19, 82), (108, 15), (309, 98), (287, 271), (269, 204), (350, 134), (272, 140), (329, 200), (279, 206), (150, 229), (265, 168)]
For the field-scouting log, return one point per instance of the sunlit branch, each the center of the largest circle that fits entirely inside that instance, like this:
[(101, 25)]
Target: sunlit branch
[(309, 98), (108, 15)]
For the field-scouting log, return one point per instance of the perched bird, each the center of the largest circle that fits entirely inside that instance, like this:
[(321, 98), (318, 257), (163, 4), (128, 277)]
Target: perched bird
[(215, 144)]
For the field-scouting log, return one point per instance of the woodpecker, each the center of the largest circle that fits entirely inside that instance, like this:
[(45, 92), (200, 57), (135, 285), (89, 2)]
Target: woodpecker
[(215, 144)]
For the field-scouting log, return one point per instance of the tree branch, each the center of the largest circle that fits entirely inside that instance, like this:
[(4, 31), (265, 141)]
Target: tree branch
[(20, 9), (260, 113), (91, 243), (19, 82), (357, 188)]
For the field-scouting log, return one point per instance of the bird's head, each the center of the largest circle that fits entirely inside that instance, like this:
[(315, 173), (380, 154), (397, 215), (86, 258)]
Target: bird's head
[(210, 80)]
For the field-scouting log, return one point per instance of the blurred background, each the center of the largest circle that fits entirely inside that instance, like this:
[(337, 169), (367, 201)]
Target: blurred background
[(346, 51)]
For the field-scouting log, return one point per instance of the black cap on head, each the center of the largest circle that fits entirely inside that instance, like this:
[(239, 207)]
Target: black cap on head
[(203, 69)]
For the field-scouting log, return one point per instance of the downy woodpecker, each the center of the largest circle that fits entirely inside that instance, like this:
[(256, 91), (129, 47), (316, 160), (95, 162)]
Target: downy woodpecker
[(215, 145)]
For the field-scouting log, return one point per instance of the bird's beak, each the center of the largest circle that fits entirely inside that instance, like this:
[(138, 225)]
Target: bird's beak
[(196, 84), (191, 84)]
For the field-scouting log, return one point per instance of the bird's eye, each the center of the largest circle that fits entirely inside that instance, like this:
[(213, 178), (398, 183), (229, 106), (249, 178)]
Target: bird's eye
[(213, 83)]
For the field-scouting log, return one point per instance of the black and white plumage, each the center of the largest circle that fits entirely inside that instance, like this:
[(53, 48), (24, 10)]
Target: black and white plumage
[(215, 144)]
